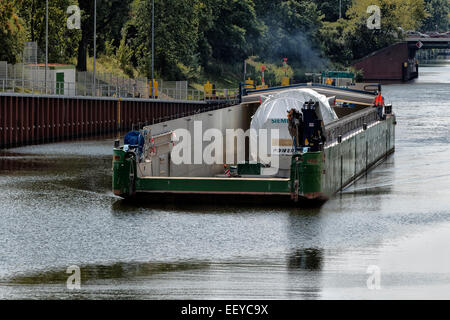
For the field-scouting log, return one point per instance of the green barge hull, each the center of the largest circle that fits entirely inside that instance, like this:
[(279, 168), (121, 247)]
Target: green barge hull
[(313, 175)]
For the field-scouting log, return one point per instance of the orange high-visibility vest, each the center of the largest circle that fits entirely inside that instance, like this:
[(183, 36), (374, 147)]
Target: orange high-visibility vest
[(379, 101)]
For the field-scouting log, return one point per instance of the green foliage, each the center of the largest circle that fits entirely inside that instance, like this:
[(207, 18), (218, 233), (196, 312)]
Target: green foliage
[(176, 35), (110, 49), (439, 16), (273, 74), (124, 55), (334, 38), (407, 14), (233, 31), (11, 32), (112, 15), (291, 29), (196, 39), (109, 64), (349, 39), (62, 42), (330, 9)]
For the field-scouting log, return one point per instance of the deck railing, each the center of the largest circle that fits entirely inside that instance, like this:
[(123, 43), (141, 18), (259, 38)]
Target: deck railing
[(350, 123)]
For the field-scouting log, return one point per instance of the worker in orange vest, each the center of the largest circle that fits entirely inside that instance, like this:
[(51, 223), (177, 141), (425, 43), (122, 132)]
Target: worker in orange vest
[(379, 104)]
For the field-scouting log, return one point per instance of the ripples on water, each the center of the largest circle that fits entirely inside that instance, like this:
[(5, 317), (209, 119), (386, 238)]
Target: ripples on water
[(57, 210)]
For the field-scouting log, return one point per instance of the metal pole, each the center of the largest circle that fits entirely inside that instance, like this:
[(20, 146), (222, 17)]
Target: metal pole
[(95, 44), (46, 43), (340, 9), (153, 47)]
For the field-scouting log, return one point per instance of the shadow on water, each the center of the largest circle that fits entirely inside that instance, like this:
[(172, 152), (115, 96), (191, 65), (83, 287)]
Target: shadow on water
[(39, 172), (306, 259), (119, 270), (136, 205), (11, 163)]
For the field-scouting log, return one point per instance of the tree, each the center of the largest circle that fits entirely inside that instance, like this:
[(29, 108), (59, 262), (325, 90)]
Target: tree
[(11, 32), (176, 36), (350, 39), (439, 16), (63, 42), (394, 13), (291, 29), (334, 39), (330, 9), (234, 31), (111, 17)]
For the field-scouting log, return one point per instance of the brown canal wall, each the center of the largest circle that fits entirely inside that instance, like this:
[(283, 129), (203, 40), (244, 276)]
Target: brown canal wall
[(32, 119), (391, 64)]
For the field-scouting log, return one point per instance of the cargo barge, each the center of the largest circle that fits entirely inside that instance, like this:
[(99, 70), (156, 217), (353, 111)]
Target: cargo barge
[(321, 140)]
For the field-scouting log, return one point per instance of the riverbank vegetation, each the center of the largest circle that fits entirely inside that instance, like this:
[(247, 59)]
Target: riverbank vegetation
[(210, 39)]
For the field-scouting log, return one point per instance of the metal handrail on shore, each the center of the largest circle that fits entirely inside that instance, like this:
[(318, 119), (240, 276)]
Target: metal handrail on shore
[(75, 89)]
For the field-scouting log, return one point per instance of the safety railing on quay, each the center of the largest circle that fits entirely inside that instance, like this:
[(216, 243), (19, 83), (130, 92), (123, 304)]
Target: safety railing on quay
[(73, 89), (175, 94)]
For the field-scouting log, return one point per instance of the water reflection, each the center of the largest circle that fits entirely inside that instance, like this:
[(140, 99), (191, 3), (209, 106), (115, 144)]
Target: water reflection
[(121, 270), (145, 203), (58, 210), (14, 162), (306, 259)]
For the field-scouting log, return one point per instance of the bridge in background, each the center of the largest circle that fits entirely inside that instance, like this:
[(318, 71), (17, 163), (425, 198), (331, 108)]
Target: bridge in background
[(398, 61), (428, 43)]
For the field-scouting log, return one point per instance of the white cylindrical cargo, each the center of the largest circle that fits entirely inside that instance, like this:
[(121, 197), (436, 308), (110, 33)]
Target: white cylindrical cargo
[(272, 115)]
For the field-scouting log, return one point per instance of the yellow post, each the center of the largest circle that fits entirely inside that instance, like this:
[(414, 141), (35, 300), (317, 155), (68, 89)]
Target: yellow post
[(208, 88), (285, 81), (265, 86), (249, 84), (153, 89), (118, 114)]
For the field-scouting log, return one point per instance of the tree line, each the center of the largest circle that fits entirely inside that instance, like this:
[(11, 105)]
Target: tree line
[(200, 36)]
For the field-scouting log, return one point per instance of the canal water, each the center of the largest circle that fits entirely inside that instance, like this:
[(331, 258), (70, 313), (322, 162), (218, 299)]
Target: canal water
[(57, 210)]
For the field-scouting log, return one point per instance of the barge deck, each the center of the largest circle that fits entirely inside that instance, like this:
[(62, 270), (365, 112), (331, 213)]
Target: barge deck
[(355, 143)]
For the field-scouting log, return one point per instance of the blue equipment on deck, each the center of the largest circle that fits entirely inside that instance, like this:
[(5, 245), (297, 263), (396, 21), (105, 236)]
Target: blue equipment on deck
[(135, 139)]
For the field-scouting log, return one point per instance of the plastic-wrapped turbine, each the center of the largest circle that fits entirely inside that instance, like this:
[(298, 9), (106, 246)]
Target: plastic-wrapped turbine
[(272, 115)]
